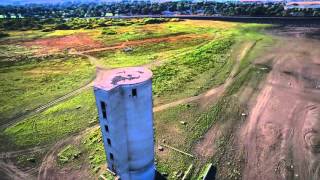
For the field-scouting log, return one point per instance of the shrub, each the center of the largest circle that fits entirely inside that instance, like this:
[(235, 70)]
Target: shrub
[(2, 35), (154, 20), (107, 31)]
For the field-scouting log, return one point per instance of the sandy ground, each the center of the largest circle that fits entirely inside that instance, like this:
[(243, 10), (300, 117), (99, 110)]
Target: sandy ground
[(281, 138)]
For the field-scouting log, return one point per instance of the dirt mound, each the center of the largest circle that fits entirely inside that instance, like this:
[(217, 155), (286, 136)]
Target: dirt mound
[(79, 42)]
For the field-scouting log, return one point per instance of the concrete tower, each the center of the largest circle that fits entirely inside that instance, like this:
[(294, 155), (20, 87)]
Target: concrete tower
[(124, 102)]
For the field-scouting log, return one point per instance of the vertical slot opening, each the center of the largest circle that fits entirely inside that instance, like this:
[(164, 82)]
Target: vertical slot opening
[(111, 156), (106, 128), (109, 142), (134, 92), (103, 109)]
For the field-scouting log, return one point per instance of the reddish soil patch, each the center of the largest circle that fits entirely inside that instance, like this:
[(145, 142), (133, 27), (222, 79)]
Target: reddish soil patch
[(281, 138), (145, 41), (79, 42)]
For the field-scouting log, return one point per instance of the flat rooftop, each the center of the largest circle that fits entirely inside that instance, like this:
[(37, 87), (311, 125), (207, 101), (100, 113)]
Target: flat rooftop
[(109, 79)]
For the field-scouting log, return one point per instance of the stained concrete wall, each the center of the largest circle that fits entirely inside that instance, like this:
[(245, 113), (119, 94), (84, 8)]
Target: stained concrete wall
[(130, 129)]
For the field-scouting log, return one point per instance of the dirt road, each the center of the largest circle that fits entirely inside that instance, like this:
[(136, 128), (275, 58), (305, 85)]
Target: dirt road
[(281, 138)]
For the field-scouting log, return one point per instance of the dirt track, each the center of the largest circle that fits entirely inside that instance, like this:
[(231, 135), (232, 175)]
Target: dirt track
[(281, 138)]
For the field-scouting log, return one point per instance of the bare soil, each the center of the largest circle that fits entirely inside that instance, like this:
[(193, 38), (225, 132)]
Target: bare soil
[(281, 137), (49, 168), (79, 42)]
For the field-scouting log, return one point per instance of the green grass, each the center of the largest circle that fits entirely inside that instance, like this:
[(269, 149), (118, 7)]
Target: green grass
[(38, 34), (209, 62), (263, 41), (94, 148), (13, 52), (24, 35), (58, 33), (55, 123), (148, 53), (169, 29), (28, 84), (68, 154)]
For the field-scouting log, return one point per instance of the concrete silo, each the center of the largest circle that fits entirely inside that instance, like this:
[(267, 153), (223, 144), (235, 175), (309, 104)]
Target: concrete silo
[(124, 102)]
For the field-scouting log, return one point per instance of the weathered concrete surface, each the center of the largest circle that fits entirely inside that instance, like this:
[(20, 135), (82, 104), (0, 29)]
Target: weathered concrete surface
[(127, 121)]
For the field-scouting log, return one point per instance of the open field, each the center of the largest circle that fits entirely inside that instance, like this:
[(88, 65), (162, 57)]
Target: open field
[(27, 84), (207, 76)]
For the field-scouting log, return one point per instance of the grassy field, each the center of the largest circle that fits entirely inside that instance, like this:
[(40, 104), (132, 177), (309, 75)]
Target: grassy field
[(182, 68), (149, 52), (56, 122), (170, 29), (28, 84), (198, 120)]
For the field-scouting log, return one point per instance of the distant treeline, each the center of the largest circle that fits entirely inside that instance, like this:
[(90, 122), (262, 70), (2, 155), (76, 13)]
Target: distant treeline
[(168, 8), (52, 24)]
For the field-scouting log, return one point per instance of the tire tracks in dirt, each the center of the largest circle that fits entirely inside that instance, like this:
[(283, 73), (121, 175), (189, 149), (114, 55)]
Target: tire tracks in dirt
[(280, 138), (205, 148)]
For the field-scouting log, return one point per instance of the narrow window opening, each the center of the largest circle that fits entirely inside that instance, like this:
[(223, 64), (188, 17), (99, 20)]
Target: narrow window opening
[(104, 109), (111, 156), (109, 142), (134, 93), (106, 128)]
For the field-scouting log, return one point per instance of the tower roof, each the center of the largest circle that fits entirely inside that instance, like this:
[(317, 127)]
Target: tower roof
[(109, 79)]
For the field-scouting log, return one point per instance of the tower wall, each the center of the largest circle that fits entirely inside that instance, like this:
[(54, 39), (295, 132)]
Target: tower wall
[(127, 128)]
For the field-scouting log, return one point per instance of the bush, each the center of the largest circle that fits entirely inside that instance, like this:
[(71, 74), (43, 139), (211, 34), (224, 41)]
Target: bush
[(154, 20), (2, 35), (68, 154), (48, 29), (107, 31)]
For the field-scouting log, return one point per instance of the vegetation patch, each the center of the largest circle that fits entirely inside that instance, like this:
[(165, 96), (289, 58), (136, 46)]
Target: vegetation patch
[(55, 123), (28, 84), (30, 160), (94, 150), (2, 34), (149, 53), (68, 154), (173, 75)]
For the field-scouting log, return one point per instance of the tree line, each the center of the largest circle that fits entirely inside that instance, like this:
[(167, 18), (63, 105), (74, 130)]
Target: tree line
[(72, 10), (51, 24)]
